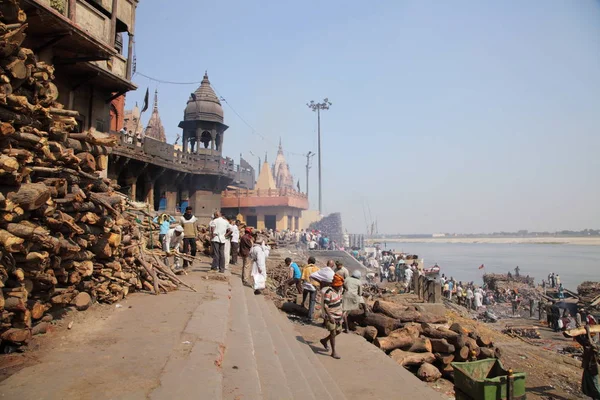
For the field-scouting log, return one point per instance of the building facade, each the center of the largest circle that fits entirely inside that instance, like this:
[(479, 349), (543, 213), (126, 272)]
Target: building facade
[(269, 205), (83, 39), (169, 177)]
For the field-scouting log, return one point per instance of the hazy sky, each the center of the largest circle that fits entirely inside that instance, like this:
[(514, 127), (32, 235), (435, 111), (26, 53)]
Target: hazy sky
[(447, 116)]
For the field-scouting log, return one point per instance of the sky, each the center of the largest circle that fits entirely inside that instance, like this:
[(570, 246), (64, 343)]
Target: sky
[(462, 116)]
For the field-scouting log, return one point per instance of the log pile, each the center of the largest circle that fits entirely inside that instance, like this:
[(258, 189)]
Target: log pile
[(412, 339), (504, 281), (67, 238), (530, 332), (588, 291)]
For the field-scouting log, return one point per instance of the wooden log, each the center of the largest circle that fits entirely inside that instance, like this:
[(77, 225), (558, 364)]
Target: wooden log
[(440, 333), (389, 343), (444, 358), (16, 335), (482, 340), (448, 372), (460, 329), (488, 352), (40, 328), (462, 354), (458, 341), (384, 324), (10, 243), (442, 346), (38, 309), (9, 164), (405, 358), (368, 332), (87, 162), (401, 313), (29, 196), (420, 345), (15, 304), (428, 373)]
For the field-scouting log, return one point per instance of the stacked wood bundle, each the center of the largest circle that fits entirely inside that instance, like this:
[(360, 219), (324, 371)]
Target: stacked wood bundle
[(588, 291), (410, 337), (530, 332), (66, 236), (504, 281)]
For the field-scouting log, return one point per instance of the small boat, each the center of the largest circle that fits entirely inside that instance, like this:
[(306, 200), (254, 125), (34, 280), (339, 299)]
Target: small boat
[(432, 271)]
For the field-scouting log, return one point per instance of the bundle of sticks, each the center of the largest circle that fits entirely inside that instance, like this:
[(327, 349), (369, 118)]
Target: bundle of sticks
[(530, 332), (66, 235)]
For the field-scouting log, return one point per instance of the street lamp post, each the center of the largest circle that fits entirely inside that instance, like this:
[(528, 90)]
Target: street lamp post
[(308, 156), (318, 107)]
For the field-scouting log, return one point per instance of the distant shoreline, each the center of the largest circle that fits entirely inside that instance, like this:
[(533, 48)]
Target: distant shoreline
[(581, 241)]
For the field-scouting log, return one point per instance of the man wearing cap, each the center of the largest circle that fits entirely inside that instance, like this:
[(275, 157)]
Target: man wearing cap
[(332, 308), (172, 242)]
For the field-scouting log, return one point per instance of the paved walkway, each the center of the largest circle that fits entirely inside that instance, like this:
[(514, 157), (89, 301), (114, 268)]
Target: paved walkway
[(222, 342)]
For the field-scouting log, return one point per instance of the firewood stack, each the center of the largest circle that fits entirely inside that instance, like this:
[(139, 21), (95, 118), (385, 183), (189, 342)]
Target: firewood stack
[(410, 338), (66, 236)]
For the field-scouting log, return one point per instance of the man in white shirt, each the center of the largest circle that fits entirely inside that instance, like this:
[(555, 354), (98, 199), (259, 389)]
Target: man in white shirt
[(172, 242), (235, 241), (218, 228), (312, 245)]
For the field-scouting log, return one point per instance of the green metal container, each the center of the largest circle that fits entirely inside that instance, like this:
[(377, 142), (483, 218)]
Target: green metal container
[(487, 380)]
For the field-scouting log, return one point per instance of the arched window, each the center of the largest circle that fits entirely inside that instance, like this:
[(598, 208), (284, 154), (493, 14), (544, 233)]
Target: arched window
[(205, 138), (114, 118)]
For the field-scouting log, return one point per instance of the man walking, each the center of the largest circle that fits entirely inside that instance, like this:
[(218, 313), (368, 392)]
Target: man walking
[(219, 227), (332, 308), (246, 243), (190, 232), (235, 241)]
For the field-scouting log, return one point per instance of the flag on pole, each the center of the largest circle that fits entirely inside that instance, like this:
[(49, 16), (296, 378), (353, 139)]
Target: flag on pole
[(145, 106), (481, 266)]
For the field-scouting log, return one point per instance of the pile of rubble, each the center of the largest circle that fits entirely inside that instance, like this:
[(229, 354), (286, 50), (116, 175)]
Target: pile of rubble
[(66, 236)]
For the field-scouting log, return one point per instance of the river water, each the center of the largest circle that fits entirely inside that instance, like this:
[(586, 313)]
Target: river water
[(574, 263)]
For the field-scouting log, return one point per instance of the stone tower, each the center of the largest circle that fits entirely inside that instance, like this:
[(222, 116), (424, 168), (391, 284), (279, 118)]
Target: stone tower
[(281, 171), (202, 124)]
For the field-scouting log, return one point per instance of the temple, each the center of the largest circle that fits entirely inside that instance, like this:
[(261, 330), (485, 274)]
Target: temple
[(155, 129), (273, 204), (170, 178), (281, 171)]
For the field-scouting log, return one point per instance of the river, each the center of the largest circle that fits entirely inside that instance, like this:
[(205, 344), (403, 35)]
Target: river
[(574, 263)]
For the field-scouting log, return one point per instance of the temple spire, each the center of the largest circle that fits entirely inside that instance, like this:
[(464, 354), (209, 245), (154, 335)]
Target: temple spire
[(280, 151), (155, 108)]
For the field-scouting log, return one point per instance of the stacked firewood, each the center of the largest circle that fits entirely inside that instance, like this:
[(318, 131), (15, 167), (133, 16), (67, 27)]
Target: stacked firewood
[(588, 291), (409, 336), (66, 236)]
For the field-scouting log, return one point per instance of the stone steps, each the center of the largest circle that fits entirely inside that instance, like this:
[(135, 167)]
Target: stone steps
[(263, 357)]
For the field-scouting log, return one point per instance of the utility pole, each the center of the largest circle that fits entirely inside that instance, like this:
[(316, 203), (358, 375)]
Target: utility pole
[(308, 156), (318, 107)]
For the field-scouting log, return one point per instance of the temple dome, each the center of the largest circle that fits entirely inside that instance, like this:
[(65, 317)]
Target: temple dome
[(205, 106)]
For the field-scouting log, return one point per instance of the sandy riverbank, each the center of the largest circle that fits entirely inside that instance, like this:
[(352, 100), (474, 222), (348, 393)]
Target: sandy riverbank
[(584, 241)]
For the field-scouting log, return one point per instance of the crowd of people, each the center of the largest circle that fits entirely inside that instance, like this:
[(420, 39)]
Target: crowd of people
[(334, 287)]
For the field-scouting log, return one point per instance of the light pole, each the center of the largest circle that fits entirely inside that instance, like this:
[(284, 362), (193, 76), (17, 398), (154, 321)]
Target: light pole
[(318, 107), (308, 156)]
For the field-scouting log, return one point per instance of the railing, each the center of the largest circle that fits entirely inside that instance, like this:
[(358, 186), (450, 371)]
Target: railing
[(165, 153), (264, 193)]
